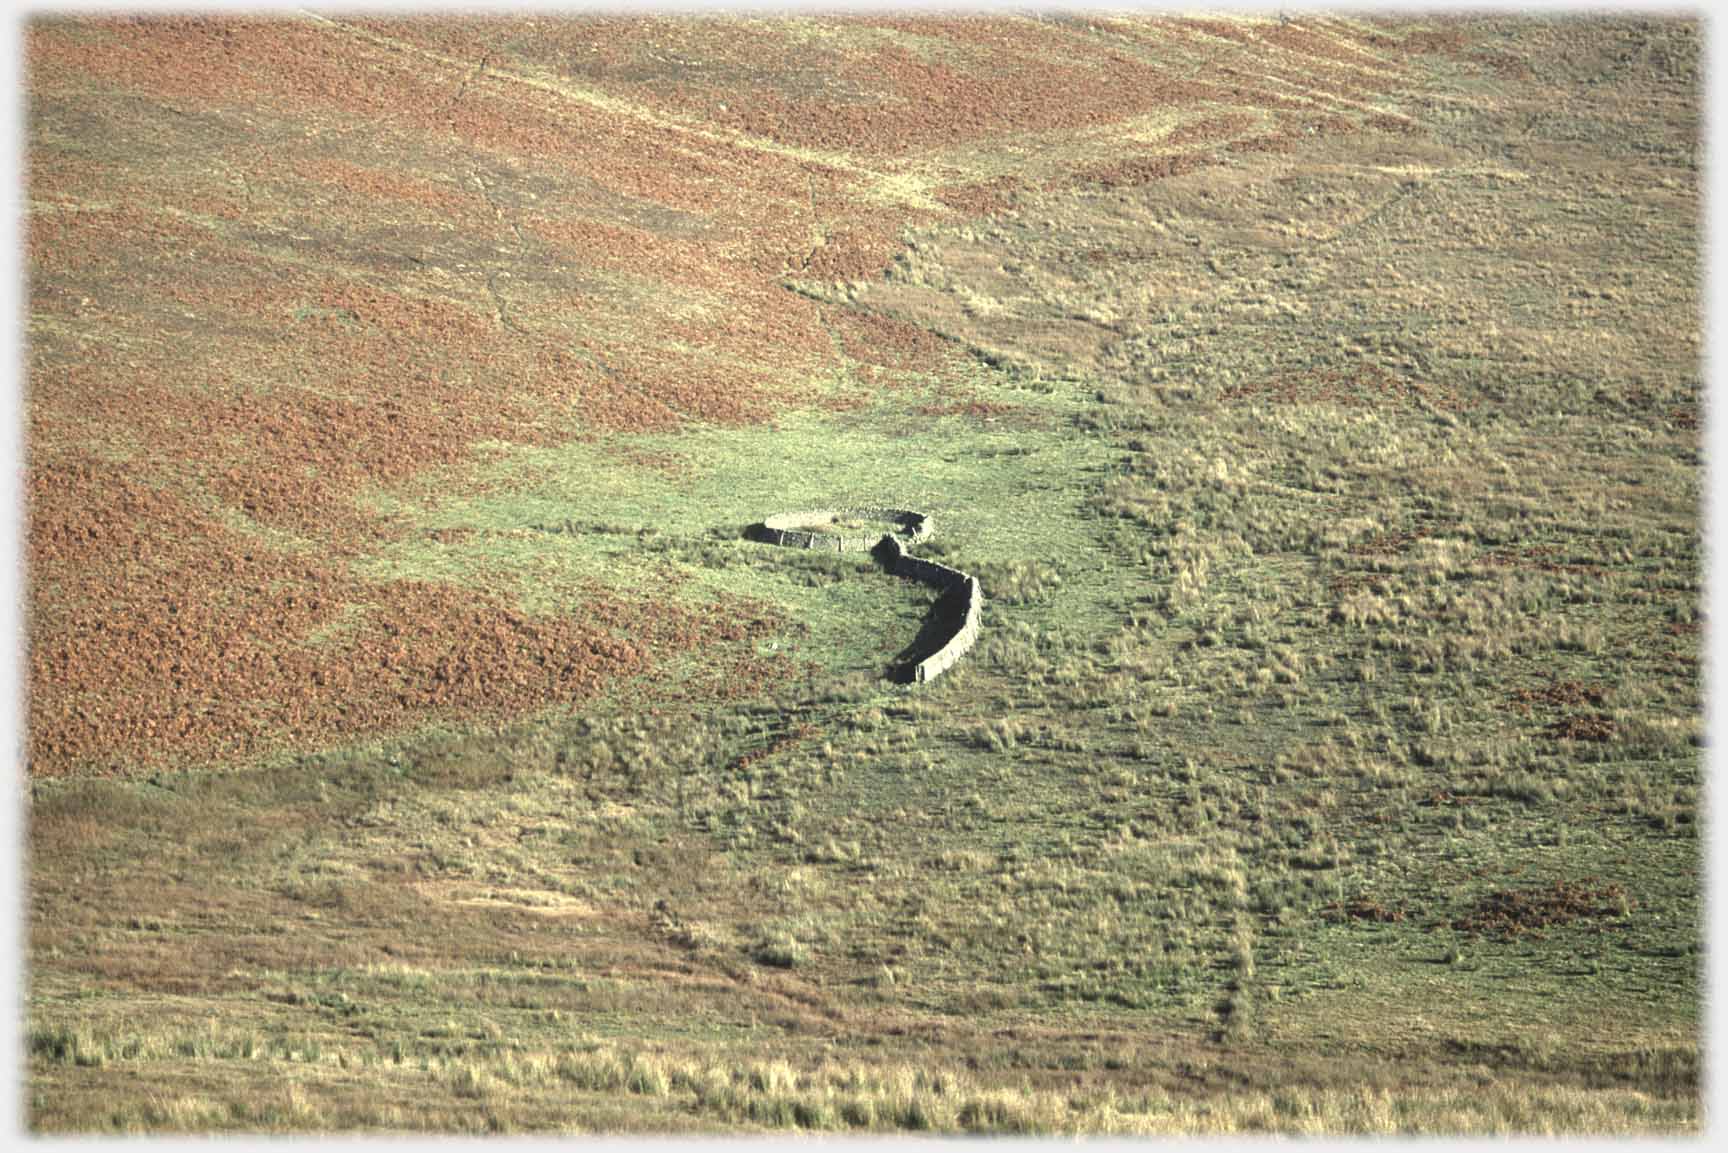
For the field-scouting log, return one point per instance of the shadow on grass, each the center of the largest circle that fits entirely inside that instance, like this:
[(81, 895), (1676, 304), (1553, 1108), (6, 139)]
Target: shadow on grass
[(946, 616)]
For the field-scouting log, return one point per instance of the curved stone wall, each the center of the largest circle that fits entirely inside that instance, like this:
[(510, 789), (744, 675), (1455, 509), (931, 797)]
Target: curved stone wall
[(798, 530), (929, 572), (963, 639)]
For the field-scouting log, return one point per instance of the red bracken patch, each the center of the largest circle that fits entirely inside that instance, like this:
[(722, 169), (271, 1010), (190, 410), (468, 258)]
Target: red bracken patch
[(1560, 693), (1365, 909), (159, 636), (1594, 727), (886, 342), (1138, 170), (984, 198), (1510, 913)]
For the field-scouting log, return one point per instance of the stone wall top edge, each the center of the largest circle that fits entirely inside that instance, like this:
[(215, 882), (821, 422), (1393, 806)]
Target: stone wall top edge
[(911, 521)]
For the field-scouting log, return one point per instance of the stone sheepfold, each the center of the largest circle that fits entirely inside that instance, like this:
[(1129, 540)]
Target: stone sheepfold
[(805, 530)]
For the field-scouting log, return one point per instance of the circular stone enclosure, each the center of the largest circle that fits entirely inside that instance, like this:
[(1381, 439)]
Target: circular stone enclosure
[(855, 529)]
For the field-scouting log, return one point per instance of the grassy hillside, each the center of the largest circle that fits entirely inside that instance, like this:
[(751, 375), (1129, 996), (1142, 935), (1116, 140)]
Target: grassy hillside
[(417, 743)]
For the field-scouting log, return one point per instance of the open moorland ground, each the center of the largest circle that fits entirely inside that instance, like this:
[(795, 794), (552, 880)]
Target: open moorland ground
[(416, 742)]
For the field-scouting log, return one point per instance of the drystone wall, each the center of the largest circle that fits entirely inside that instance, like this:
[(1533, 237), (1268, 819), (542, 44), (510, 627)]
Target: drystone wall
[(928, 572), (963, 639), (794, 530)]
